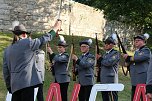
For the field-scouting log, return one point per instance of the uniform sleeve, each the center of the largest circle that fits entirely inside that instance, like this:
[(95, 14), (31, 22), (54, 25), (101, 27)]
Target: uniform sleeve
[(149, 78), (111, 60), (86, 63), (76, 69), (99, 62), (144, 55), (6, 73), (61, 58), (38, 42), (149, 73), (51, 56)]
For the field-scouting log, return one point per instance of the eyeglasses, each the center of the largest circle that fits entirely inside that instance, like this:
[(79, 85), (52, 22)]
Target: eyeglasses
[(106, 44), (60, 47), (83, 46)]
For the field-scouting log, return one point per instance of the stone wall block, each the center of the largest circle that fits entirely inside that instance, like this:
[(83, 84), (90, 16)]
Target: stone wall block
[(5, 6), (4, 12), (40, 15)]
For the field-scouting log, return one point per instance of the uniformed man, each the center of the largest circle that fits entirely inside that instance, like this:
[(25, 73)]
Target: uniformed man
[(61, 74), (149, 80), (19, 70), (138, 63), (85, 70), (109, 68)]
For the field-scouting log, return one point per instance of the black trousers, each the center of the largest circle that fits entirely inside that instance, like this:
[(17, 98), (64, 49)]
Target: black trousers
[(40, 93), (26, 94), (133, 93), (84, 93), (64, 90), (109, 96)]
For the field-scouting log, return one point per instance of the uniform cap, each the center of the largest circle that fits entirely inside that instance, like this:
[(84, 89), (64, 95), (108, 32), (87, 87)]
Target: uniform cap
[(62, 42), (87, 42), (109, 40), (142, 37)]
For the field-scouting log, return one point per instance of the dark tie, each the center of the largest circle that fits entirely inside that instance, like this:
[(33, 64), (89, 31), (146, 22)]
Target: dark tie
[(83, 56)]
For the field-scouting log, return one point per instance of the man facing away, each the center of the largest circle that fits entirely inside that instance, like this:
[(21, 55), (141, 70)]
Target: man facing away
[(20, 73)]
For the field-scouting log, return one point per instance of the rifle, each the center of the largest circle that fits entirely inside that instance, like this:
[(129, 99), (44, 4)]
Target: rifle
[(72, 48), (50, 68), (96, 65), (74, 62), (124, 51)]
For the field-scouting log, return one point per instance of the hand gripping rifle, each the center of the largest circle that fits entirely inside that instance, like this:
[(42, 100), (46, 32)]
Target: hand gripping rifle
[(124, 51), (96, 65)]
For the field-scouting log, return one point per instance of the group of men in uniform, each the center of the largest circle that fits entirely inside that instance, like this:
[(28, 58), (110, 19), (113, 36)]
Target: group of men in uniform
[(22, 73)]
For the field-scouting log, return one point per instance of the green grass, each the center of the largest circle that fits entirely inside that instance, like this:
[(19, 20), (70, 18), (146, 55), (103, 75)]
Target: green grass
[(5, 40)]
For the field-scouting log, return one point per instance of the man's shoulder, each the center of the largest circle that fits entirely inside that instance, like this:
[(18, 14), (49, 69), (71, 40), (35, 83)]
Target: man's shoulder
[(114, 51), (91, 55), (65, 53)]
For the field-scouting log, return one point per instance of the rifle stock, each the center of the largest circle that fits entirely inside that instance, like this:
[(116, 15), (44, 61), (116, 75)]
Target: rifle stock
[(124, 51), (96, 65)]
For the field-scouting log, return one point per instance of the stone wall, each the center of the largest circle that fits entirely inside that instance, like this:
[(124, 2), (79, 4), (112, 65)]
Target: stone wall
[(40, 15)]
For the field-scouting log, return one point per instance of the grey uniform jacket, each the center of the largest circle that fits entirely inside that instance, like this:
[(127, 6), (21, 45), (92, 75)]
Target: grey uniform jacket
[(139, 67), (149, 73), (149, 78), (109, 67), (19, 68), (40, 62), (85, 69), (60, 67)]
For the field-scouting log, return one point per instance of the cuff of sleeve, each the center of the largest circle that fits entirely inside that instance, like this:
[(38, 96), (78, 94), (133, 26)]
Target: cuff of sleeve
[(9, 90), (78, 61), (99, 61), (148, 89), (52, 32), (51, 56), (128, 59)]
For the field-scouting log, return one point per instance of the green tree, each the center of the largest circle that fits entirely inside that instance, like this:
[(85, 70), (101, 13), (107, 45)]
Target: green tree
[(135, 13)]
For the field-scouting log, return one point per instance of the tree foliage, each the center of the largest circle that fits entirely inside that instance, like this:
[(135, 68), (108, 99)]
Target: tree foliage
[(135, 13)]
